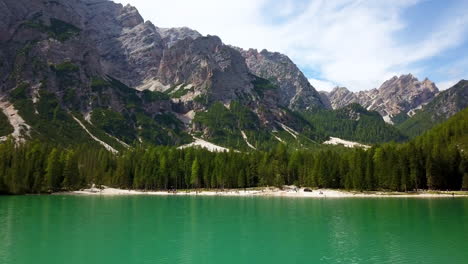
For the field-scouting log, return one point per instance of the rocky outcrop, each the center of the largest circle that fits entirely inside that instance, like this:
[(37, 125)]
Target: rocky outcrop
[(325, 99), (340, 97), (209, 66), (171, 36), (295, 90), (395, 96)]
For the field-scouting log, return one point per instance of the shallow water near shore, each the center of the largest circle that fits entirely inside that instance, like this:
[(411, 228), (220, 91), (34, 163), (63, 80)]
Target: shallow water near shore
[(169, 229)]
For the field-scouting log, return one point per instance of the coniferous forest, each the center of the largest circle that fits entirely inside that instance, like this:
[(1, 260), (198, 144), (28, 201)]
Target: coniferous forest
[(435, 160)]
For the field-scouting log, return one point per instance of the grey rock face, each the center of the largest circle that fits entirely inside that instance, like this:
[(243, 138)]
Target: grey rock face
[(449, 102), (171, 36), (207, 64), (340, 97), (129, 48), (326, 101), (397, 95), (295, 90), (142, 55)]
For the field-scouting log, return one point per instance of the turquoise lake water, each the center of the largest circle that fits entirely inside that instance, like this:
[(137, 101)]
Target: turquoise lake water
[(148, 229)]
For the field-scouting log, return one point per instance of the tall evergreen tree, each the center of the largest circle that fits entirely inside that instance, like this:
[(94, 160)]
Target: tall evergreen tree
[(53, 170)]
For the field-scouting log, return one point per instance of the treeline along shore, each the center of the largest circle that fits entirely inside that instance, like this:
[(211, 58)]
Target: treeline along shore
[(436, 161)]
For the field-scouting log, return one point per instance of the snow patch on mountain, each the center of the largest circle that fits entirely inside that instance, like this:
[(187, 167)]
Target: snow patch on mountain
[(204, 144), (104, 144), (388, 119), (17, 122), (246, 140), (289, 130), (278, 138), (346, 143), (153, 85)]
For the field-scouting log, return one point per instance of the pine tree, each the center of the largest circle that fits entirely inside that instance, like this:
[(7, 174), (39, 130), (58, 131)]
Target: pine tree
[(195, 175), (53, 170), (70, 171)]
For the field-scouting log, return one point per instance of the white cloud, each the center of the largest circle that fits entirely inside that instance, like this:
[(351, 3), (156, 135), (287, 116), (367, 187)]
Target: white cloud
[(321, 85), (349, 42)]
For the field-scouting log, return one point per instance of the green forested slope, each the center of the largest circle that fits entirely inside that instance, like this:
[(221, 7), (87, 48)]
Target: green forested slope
[(436, 160), (353, 122)]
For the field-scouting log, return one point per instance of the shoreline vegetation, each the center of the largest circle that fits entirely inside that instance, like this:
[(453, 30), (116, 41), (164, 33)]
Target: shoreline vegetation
[(287, 191), (437, 160)]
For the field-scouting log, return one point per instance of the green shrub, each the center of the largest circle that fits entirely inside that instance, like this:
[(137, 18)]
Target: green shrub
[(20, 92), (5, 126), (202, 99), (153, 96), (98, 84), (65, 67), (262, 85), (113, 123), (181, 92), (58, 29)]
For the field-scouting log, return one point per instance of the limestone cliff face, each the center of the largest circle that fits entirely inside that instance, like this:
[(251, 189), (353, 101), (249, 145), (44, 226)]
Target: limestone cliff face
[(295, 90), (129, 48), (397, 95), (208, 65), (115, 40), (94, 54), (340, 97), (171, 36)]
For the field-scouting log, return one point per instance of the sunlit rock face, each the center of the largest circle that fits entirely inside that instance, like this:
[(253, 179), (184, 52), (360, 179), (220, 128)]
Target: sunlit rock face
[(397, 95), (295, 90)]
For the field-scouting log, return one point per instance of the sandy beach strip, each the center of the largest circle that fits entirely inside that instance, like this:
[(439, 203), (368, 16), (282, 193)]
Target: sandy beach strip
[(270, 192)]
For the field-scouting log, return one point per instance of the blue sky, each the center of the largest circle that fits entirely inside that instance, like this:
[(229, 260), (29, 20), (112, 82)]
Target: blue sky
[(353, 43)]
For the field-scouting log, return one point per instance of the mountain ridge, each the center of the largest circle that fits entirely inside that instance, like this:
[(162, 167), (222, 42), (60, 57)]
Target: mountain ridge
[(398, 95), (97, 64), (445, 105), (89, 54)]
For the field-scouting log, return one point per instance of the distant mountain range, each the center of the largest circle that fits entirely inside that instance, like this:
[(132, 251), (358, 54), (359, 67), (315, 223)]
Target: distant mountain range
[(95, 71), (399, 95), (412, 106), (446, 104)]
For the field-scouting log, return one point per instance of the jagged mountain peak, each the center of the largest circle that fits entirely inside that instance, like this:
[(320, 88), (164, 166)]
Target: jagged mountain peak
[(295, 90), (94, 59), (130, 17), (173, 35), (399, 94), (408, 82), (339, 89), (446, 104)]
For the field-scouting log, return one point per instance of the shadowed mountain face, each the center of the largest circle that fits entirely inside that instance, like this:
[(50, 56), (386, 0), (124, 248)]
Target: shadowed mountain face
[(399, 95), (445, 105)]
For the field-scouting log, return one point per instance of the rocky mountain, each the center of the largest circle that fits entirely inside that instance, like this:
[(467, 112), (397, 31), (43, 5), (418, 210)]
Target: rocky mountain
[(297, 93), (399, 95), (100, 72), (446, 104), (172, 35), (75, 71)]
